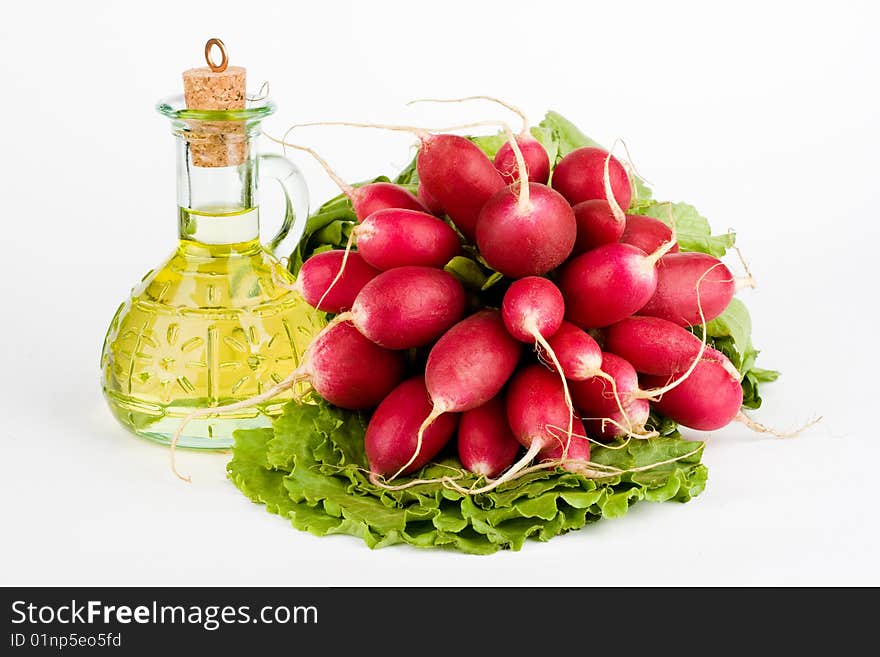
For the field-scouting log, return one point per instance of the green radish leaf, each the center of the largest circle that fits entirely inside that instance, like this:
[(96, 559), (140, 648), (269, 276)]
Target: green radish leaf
[(762, 375), (467, 271), (490, 144), (548, 140), (494, 278), (735, 323), (568, 135), (691, 228)]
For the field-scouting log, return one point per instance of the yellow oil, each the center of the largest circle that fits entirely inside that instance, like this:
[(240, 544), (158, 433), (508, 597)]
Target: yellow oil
[(210, 326)]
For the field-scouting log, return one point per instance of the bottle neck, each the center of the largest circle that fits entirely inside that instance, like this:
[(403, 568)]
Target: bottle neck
[(216, 195)]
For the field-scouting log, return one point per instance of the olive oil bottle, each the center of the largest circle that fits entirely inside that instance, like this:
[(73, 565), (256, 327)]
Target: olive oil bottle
[(217, 321)]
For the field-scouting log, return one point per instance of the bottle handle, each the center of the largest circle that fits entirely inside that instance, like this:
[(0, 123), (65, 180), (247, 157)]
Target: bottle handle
[(296, 202)]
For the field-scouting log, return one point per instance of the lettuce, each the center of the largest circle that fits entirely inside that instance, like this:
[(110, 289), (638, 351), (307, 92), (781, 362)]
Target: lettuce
[(311, 468)]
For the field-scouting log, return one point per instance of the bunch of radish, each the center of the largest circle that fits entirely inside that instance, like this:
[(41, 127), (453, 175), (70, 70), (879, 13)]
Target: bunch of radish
[(590, 335)]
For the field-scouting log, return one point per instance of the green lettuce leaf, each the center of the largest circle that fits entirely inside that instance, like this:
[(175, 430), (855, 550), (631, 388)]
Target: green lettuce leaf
[(311, 468)]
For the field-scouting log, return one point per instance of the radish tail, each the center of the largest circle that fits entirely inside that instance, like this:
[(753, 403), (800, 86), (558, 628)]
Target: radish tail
[(346, 188), (433, 415), (616, 210), (547, 348), (666, 246), (341, 268), (523, 204), (761, 428), (299, 374), (511, 474), (610, 379), (656, 392), (513, 108), (421, 133)]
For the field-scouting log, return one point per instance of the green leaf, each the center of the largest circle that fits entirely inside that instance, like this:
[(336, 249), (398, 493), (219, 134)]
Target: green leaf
[(467, 271), (568, 135), (735, 323), (492, 280), (311, 468), (691, 228), (490, 144)]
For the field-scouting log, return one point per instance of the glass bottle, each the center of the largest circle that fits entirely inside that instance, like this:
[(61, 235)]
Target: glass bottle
[(216, 322)]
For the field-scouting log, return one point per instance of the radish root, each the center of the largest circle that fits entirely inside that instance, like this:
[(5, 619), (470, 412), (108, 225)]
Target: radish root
[(346, 188), (341, 268), (524, 132), (654, 393), (521, 468), (421, 133), (523, 204), (433, 415), (298, 375), (761, 428), (616, 210), (541, 341), (513, 472), (747, 281), (666, 246)]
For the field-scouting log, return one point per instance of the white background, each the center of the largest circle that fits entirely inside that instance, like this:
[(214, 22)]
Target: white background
[(763, 115)]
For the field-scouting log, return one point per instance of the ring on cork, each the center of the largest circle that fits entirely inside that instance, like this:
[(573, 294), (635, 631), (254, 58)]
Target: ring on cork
[(216, 87)]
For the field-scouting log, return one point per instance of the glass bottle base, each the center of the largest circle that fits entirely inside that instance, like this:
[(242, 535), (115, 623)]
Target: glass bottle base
[(159, 423)]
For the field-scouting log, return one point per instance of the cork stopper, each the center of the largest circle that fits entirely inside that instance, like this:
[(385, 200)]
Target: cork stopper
[(216, 87)]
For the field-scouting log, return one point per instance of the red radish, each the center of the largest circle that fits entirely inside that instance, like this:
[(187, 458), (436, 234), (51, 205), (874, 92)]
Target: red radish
[(470, 364), (578, 353), (535, 156), (616, 425), (367, 200), (597, 224), (343, 366), (535, 402), (393, 237), (408, 306), (532, 308), (595, 396), (537, 160), (452, 170), (429, 202), (317, 273), (456, 173), (486, 445), (373, 197), (397, 238), (526, 229), (467, 367), (676, 298), (646, 233), (579, 177), (708, 399), (655, 346), (607, 284), (350, 371), (578, 452), (390, 439)]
